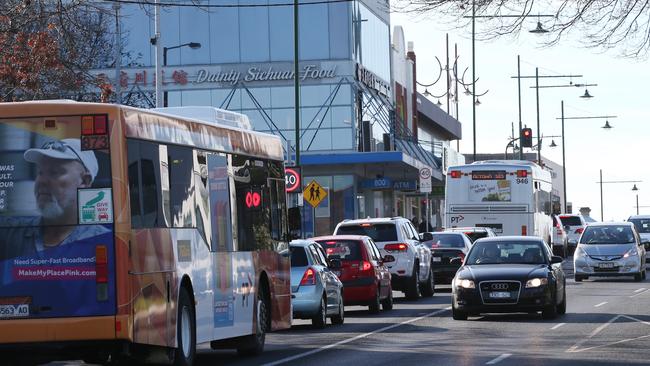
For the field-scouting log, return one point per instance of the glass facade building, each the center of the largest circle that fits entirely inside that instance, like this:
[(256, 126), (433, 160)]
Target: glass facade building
[(245, 64)]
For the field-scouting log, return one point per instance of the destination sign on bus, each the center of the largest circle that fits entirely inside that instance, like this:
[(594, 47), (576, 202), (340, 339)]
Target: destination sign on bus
[(489, 175)]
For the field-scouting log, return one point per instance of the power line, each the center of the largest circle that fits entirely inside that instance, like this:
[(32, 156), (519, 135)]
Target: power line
[(191, 4)]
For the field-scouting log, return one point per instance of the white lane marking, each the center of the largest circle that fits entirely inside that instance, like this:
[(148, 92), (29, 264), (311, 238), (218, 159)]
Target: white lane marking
[(557, 326), (499, 359), (360, 336), (640, 293), (639, 290), (574, 348), (601, 304)]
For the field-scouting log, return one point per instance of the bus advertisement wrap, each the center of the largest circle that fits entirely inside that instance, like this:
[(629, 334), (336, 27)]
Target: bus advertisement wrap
[(50, 265)]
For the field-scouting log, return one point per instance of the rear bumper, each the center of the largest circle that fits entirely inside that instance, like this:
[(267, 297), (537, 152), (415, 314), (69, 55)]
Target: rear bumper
[(359, 292), (306, 301), (444, 272)]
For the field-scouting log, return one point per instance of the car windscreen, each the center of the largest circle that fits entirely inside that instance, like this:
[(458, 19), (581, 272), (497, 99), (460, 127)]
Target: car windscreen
[(642, 225), (570, 221), (495, 252), (611, 234), (447, 241), (378, 232), (298, 257), (347, 250)]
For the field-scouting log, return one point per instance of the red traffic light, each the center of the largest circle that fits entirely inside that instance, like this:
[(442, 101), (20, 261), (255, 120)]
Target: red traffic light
[(527, 132), (253, 199)]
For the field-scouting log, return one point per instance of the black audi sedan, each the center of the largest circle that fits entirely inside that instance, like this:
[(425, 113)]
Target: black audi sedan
[(509, 274)]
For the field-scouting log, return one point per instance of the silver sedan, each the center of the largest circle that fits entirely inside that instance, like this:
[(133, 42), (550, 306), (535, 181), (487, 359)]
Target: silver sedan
[(316, 292)]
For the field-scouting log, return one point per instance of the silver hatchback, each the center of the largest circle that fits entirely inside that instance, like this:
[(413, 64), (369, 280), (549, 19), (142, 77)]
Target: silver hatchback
[(316, 292), (610, 249)]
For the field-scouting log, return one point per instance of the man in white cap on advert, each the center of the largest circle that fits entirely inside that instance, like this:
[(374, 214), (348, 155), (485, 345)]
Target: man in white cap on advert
[(61, 168)]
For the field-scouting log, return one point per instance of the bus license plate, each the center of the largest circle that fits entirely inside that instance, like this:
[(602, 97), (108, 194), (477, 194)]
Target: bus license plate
[(499, 295), (14, 311), (606, 265)]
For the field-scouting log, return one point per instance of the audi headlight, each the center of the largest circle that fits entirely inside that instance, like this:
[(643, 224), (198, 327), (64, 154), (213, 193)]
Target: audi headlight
[(465, 283), (631, 253), (536, 282)]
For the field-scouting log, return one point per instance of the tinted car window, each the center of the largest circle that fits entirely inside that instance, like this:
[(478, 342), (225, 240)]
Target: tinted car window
[(473, 236), (615, 234), (378, 232), (642, 225), (571, 221), (506, 252), (345, 249), (448, 241), (298, 257)]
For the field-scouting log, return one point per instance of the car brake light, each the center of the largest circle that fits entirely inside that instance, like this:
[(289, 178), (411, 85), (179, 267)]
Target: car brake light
[(455, 174), (366, 225), (309, 278), (579, 230), (401, 247), (522, 173), (434, 245), (330, 242), (524, 230), (461, 255), (365, 266)]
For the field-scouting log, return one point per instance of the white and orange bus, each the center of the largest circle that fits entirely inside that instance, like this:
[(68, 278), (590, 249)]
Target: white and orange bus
[(129, 234)]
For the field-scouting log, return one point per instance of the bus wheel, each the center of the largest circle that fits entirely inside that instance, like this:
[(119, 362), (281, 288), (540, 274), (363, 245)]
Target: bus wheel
[(254, 344), (185, 331)]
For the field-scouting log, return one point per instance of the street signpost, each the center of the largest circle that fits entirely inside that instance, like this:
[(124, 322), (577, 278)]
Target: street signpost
[(425, 187), (314, 194)]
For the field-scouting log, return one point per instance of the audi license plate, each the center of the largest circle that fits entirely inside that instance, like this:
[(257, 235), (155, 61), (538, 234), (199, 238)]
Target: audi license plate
[(436, 259), (606, 265), (14, 311), (499, 295)]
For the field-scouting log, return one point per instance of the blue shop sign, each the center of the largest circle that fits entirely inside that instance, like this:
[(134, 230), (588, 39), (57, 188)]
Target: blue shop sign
[(387, 183), (404, 185), (379, 183)]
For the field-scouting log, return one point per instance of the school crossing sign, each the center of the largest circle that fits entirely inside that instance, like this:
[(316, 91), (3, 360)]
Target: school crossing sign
[(314, 193)]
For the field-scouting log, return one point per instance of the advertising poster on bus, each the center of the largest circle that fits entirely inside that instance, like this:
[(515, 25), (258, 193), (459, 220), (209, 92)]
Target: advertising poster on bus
[(490, 191), (56, 215)]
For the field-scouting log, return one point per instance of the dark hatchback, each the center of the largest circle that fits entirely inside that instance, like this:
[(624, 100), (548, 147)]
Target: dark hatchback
[(446, 246), (508, 275)]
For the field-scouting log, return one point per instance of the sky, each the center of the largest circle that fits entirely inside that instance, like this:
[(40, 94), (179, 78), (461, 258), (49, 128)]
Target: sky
[(619, 152)]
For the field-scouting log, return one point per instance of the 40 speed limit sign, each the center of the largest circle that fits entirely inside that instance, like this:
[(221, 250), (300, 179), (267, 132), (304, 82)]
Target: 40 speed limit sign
[(293, 179)]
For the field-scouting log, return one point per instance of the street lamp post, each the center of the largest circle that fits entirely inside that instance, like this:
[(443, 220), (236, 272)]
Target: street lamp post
[(607, 126), (616, 181), (537, 30), (192, 45)]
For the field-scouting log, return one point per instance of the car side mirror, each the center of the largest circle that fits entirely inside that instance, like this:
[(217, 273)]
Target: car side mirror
[(335, 263), (556, 259), (388, 259), (646, 244), (456, 260)]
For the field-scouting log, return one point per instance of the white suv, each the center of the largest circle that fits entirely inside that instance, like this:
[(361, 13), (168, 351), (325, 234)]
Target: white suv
[(574, 225), (411, 270)]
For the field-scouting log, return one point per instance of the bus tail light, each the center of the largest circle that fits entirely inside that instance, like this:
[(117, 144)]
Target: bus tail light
[(524, 230), (522, 173), (101, 272), (308, 278), (455, 174), (401, 247), (94, 125)]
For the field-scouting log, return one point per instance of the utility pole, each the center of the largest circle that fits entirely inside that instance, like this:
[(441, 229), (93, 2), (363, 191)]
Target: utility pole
[(118, 55), (296, 74), (159, 55)]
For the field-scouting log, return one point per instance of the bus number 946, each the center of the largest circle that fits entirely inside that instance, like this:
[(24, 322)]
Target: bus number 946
[(522, 180)]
